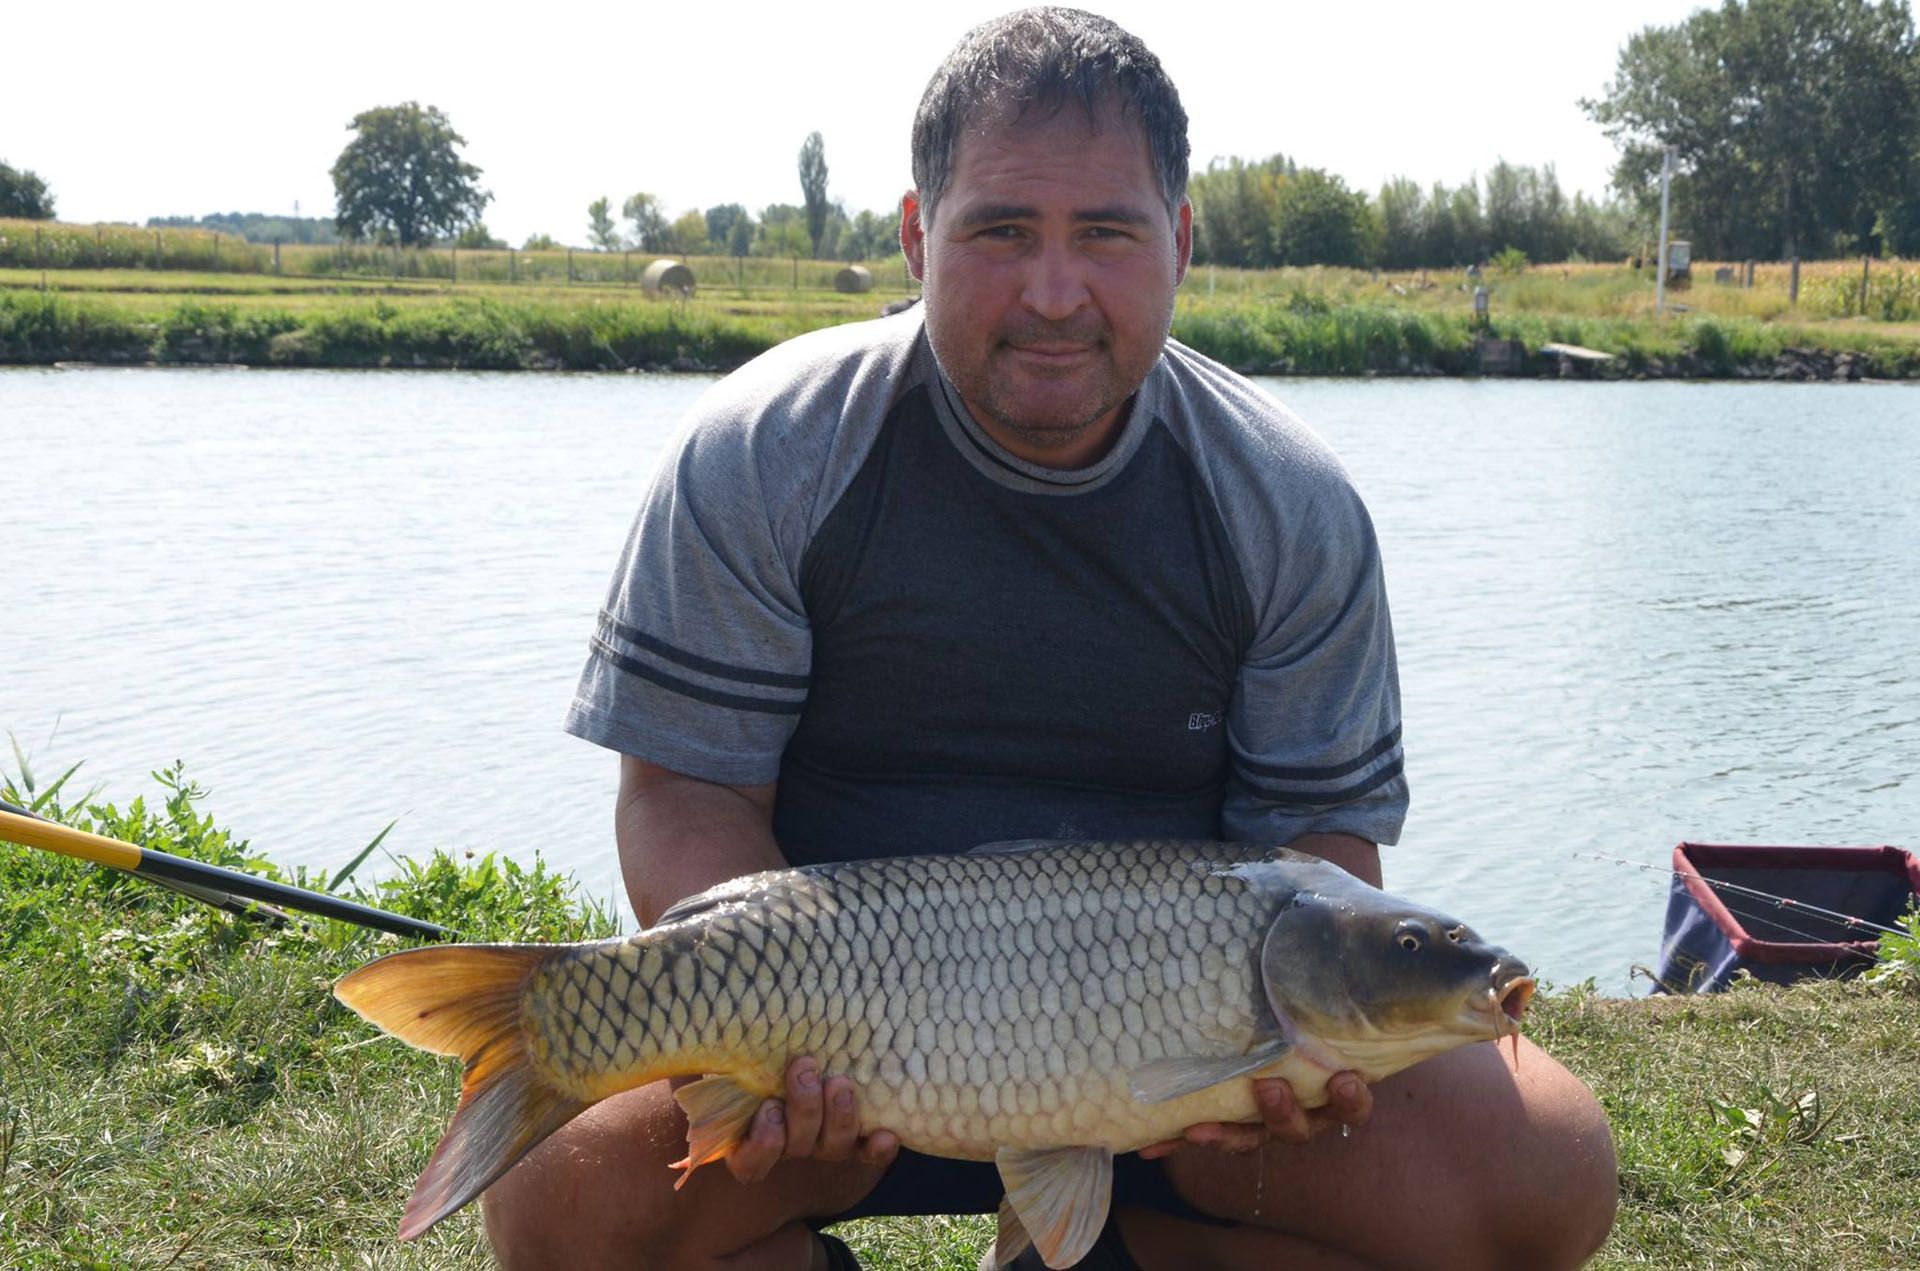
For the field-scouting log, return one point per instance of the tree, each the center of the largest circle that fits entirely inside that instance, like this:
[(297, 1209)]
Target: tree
[(720, 222), (651, 233), (1233, 203), (689, 234), (740, 237), (24, 194), (1318, 221), (1792, 122), (540, 243), (477, 237), (401, 179), (601, 231), (813, 186), (1397, 215)]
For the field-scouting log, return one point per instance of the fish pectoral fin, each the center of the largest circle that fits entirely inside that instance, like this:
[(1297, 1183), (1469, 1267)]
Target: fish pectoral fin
[(1165, 1079), (718, 1109), (1059, 1195), (1009, 1242)]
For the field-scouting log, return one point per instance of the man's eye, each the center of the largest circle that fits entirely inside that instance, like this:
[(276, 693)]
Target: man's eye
[(1000, 231)]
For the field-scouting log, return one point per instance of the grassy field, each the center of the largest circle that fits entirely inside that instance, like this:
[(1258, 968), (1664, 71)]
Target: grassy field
[(121, 295), (178, 1088)]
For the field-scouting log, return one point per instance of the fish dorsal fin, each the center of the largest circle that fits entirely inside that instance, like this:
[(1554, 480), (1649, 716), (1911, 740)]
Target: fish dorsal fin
[(1009, 1241), (1011, 846), (1060, 1195), (1165, 1079), (718, 1109)]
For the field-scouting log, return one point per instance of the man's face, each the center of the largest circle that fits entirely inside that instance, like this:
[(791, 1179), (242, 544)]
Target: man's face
[(1049, 269)]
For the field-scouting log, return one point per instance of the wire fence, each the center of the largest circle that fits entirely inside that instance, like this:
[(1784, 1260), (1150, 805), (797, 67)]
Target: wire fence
[(54, 245)]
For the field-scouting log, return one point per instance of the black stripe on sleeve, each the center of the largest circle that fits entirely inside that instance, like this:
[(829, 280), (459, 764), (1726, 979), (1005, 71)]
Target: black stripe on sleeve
[(733, 701), (693, 661), (1374, 751), (1330, 798)]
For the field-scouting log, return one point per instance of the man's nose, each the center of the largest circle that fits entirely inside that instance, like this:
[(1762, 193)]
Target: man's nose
[(1056, 282)]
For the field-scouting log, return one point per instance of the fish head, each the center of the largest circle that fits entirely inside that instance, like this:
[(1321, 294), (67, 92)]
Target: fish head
[(1382, 982)]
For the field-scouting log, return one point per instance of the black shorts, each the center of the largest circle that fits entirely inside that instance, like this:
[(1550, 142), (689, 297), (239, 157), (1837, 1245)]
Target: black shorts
[(919, 1184)]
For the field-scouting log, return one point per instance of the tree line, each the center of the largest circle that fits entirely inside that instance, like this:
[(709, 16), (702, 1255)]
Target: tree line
[(1271, 212)]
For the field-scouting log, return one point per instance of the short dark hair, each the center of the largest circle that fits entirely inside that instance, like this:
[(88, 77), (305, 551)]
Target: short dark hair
[(1043, 59)]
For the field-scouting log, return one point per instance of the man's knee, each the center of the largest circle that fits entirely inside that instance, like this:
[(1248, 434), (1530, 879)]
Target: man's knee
[(596, 1193), (1572, 1179)]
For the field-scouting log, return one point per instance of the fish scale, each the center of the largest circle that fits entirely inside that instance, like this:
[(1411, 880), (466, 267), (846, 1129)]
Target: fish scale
[(1039, 1005)]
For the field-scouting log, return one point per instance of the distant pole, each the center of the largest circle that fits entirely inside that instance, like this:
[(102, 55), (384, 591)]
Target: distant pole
[(216, 252), (626, 268), (276, 255), (513, 266), (156, 249), (1866, 262), (453, 264), (1660, 267), (39, 256), (569, 265), (1793, 283)]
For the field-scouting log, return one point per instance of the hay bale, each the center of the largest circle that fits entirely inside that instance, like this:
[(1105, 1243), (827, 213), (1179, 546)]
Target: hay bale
[(853, 280), (667, 276)]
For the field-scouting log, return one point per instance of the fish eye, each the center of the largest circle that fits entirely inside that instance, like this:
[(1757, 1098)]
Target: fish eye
[(1409, 941)]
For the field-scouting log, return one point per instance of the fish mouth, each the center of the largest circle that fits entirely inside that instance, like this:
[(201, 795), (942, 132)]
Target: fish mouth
[(1511, 999)]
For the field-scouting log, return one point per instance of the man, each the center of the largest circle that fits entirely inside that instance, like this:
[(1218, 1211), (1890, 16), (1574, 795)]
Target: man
[(1013, 566)]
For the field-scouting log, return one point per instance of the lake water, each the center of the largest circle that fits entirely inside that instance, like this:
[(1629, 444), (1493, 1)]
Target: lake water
[(1628, 614)]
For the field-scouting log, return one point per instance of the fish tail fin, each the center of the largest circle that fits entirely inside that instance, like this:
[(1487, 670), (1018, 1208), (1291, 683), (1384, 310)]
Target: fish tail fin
[(464, 1000)]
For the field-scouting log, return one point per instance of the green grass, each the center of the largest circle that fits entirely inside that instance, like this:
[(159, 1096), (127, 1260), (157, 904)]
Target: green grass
[(178, 1087)]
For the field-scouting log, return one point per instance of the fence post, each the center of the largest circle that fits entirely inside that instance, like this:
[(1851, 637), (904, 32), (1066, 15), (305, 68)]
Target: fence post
[(276, 256), (513, 266), (99, 245), (569, 266), (216, 253), (1866, 262), (1793, 283), (1749, 275), (796, 273), (453, 265), (39, 256), (626, 268)]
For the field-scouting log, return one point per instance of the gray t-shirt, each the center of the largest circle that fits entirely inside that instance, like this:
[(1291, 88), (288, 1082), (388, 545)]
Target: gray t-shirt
[(840, 583)]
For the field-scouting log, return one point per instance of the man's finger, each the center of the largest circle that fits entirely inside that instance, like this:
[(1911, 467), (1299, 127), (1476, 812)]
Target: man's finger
[(879, 1148), (1349, 1099), (1165, 1147), (804, 1110), (1283, 1116), (841, 1128), (766, 1141)]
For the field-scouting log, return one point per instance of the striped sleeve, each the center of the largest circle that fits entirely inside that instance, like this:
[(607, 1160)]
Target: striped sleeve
[(1315, 725), (700, 657)]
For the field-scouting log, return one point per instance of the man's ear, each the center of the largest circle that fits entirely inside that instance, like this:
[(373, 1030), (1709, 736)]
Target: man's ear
[(1182, 241), (913, 235)]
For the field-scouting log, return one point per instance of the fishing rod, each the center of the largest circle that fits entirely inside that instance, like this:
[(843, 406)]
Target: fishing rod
[(230, 889), (1780, 902)]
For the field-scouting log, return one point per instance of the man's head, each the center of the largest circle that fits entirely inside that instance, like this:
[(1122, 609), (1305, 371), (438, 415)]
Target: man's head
[(1049, 225)]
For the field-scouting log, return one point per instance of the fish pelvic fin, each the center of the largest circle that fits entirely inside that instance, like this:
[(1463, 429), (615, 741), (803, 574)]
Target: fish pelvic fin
[(464, 1000), (719, 1109), (1059, 1196)]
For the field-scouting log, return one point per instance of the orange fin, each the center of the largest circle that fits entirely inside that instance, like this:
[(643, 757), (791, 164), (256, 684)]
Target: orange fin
[(719, 1109), (465, 1000)]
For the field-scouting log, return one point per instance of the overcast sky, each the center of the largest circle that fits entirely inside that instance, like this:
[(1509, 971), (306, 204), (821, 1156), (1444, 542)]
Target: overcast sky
[(137, 110)]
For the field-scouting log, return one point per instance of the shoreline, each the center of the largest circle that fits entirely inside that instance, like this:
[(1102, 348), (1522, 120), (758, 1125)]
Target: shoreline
[(715, 334)]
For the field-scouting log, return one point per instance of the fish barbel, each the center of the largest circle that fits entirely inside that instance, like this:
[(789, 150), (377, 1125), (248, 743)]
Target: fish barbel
[(1039, 1005)]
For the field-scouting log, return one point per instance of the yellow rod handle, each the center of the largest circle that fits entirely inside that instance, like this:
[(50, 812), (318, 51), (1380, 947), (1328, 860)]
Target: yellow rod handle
[(67, 841)]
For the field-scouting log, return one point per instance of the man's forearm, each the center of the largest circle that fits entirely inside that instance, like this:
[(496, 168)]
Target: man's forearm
[(679, 835), (1351, 853)]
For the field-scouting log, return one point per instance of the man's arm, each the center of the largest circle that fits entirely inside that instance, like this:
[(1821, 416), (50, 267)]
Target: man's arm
[(679, 835)]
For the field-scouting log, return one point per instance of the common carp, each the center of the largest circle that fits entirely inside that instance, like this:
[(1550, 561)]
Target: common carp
[(1039, 1005)]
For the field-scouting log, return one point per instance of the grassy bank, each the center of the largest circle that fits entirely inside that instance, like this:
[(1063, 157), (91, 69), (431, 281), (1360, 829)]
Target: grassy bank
[(1292, 321), (177, 1087)]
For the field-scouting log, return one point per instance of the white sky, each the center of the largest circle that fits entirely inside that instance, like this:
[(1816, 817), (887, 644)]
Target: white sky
[(137, 110)]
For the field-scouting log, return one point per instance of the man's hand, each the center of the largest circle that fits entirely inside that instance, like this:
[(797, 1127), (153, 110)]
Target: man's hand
[(819, 1120), (1349, 1102)]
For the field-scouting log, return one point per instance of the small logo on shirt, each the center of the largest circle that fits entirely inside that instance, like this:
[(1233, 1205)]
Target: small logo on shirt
[(1201, 721)]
